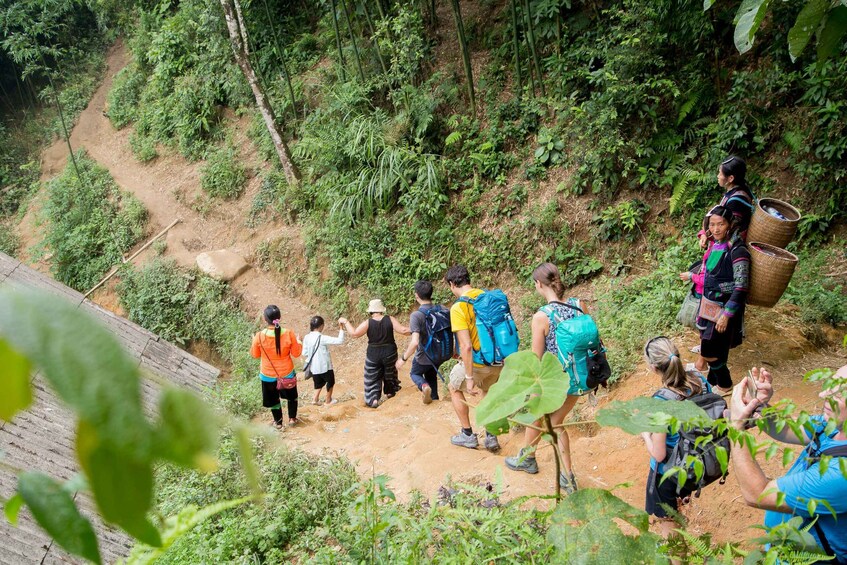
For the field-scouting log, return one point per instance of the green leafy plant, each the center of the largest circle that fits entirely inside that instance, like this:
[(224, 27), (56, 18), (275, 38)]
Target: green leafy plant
[(550, 148), (622, 221), (223, 176)]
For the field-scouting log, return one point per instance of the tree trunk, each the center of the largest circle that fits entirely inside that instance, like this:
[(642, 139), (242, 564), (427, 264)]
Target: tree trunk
[(466, 57), (516, 48), (238, 40)]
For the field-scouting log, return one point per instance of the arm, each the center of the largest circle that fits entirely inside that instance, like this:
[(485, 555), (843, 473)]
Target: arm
[(466, 353), (399, 328), (410, 349), (329, 340), (757, 489), (656, 445), (296, 348), (540, 328), (357, 332), (741, 280), (254, 348)]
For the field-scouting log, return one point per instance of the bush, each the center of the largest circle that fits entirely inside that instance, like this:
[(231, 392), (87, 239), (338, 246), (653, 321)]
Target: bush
[(223, 176), (9, 241), (125, 95), (822, 297), (91, 223)]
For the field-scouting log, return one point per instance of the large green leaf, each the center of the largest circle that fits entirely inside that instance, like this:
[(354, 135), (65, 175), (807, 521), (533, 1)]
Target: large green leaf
[(747, 21), (830, 38), (650, 415), (83, 363), (808, 22), (584, 529), (122, 485), (55, 511), (525, 382), (14, 382), (187, 432)]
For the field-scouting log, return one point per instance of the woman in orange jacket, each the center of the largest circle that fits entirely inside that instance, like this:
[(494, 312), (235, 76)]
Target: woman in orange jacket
[(277, 347)]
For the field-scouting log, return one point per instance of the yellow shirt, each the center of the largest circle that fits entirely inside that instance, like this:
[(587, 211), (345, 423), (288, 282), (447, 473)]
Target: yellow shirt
[(462, 318)]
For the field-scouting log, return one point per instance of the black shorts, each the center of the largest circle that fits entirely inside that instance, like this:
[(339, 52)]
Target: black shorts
[(665, 493), (324, 379), (271, 396)]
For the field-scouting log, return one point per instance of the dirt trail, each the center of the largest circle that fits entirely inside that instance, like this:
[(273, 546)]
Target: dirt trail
[(403, 438)]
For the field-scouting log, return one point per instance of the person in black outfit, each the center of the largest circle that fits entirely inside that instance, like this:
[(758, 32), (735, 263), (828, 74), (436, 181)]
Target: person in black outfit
[(738, 198), (380, 372)]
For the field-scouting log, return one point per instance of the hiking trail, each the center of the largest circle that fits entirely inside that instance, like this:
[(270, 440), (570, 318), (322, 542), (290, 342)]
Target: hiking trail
[(404, 439)]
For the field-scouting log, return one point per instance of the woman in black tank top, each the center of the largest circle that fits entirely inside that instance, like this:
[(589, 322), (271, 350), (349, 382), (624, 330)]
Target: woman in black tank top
[(380, 372)]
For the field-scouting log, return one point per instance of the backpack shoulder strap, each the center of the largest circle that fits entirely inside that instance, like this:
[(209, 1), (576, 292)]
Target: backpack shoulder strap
[(668, 394), (837, 451)]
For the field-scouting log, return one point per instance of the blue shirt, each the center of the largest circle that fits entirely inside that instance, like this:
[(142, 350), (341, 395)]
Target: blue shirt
[(672, 439), (804, 482)]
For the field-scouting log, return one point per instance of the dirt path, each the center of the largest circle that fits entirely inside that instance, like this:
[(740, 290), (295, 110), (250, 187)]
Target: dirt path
[(403, 438)]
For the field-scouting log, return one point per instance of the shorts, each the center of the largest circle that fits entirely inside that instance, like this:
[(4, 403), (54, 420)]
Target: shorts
[(324, 379), (659, 494), (483, 377)]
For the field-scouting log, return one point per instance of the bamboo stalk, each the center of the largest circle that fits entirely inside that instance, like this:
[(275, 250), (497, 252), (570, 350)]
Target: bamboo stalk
[(466, 58), (516, 47), (531, 40), (281, 54), (338, 39), (353, 39), (373, 34), (114, 269)]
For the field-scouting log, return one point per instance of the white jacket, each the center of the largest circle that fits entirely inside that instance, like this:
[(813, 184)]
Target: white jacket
[(322, 362)]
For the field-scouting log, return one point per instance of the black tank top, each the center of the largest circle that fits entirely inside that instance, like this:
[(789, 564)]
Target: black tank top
[(381, 332)]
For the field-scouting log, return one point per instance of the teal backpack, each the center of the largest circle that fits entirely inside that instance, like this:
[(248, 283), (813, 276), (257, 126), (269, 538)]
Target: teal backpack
[(581, 351)]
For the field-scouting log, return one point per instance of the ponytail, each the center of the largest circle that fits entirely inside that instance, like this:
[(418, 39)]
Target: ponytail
[(272, 317), (663, 354), (548, 275)]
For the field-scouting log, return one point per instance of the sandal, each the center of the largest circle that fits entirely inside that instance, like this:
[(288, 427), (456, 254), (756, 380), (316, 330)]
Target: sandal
[(278, 424), (293, 421), (332, 402)]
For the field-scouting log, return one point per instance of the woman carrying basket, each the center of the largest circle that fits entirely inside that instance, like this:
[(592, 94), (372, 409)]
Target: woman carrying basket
[(277, 347), (738, 198), (725, 273)]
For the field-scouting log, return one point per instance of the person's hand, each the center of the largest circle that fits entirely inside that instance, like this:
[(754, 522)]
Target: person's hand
[(764, 385), (342, 321), (740, 411), (472, 388), (704, 240), (399, 363), (685, 276), (722, 323)]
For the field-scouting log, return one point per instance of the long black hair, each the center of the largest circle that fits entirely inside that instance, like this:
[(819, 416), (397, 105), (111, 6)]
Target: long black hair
[(272, 317), (735, 167)]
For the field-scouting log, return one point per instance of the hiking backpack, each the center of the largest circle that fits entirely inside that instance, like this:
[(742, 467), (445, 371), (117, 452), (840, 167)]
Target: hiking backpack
[(580, 350), (439, 339), (498, 335), (714, 406)]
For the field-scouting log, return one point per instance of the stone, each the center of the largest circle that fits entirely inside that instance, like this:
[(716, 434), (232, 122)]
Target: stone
[(223, 264)]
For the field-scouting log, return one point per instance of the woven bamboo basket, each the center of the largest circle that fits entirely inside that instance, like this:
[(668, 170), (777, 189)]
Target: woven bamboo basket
[(771, 269), (769, 229)]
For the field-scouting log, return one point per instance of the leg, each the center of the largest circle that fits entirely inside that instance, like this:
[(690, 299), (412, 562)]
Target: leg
[(556, 419), (330, 384), (391, 382), (373, 384), (431, 376), (461, 408), (270, 399), (291, 402), (319, 382)]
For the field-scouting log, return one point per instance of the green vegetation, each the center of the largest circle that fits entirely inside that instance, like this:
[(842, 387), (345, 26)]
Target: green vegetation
[(91, 223), (818, 286), (223, 176)]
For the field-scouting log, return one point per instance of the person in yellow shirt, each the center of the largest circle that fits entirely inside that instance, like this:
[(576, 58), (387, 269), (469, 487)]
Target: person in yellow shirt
[(468, 377)]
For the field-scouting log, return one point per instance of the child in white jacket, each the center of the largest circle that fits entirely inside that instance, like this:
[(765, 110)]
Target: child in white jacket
[(316, 355)]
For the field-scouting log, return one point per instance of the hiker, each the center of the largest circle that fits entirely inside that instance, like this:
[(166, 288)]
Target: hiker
[(662, 358), (738, 198), (430, 327), (474, 374), (380, 371), (807, 479), (277, 347), (725, 271), (319, 363), (548, 283)]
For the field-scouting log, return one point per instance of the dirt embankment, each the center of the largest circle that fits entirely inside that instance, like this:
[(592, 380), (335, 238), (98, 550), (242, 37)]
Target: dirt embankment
[(404, 438)]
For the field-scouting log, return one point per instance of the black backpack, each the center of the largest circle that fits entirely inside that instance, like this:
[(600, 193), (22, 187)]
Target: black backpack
[(438, 342), (714, 405)]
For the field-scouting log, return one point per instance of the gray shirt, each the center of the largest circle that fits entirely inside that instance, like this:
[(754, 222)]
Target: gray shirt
[(417, 323)]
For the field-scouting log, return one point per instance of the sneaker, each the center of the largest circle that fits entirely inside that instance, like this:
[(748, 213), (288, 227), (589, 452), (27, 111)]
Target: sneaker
[(426, 394), (332, 402), (277, 424), (491, 443), (695, 349), (523, 461), (568, 483), (462, 440)]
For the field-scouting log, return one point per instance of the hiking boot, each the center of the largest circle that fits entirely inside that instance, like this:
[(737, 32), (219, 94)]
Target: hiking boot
[(568, 483), (462, 440), (426, 394), (491, 443), (523, 461)]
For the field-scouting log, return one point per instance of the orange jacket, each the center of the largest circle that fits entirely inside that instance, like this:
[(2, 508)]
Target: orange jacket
[(274, 365)]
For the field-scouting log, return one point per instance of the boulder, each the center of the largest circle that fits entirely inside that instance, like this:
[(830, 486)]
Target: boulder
[(223, 264)]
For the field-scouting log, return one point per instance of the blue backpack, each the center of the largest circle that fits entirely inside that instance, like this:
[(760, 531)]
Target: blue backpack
[(580, 350), (498, 335), (439, 336)]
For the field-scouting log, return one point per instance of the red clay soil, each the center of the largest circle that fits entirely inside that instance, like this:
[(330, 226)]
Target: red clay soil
[(403, 438)]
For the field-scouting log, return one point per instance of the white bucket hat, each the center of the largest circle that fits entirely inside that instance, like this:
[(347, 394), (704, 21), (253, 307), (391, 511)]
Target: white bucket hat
[(376, 305)]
